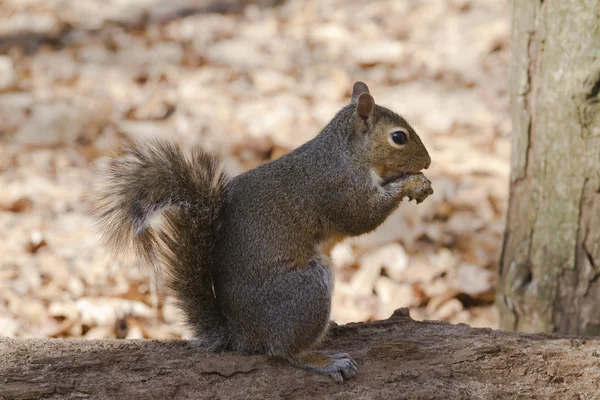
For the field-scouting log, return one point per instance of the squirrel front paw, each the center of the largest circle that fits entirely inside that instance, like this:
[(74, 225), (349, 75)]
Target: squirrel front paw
[(415, 187)]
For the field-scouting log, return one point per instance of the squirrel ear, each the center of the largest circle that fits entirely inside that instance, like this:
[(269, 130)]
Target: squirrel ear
[(365, 105), (358, 89)]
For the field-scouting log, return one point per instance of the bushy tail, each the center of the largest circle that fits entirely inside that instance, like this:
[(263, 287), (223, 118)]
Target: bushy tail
[(158, 180)]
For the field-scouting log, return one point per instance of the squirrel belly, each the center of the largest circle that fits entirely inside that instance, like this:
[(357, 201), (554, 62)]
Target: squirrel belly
[(247, 258)]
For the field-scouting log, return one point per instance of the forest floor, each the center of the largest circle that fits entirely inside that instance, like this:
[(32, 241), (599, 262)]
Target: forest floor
[(249, 82)]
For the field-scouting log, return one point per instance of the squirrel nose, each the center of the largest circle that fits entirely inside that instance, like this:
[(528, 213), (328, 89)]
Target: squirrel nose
[(428, 163)]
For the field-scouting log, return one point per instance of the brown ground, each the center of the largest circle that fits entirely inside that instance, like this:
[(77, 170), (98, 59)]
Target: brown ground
[(249, 83)]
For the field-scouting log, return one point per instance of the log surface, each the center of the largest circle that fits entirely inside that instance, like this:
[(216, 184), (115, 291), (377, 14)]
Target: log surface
[(398, 358)]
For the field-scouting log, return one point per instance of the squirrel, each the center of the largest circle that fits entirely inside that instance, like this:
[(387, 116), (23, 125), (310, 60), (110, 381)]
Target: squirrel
[(246, 258)]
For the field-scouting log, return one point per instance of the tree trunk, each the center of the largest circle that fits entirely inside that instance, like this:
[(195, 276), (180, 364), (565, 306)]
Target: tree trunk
[(397, 358), (550, 263)]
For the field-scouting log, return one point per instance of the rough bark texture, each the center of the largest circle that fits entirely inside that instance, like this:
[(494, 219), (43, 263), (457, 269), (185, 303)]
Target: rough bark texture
[(550, 264), (398, 359)]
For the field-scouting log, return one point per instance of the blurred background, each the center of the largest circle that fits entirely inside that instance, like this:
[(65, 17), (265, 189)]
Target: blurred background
[(249, 80)]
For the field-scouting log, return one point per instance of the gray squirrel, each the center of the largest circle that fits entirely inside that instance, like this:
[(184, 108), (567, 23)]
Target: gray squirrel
[(246, 258)]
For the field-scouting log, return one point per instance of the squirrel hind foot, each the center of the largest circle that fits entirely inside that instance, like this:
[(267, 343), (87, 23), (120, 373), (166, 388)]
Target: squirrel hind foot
[(339, 366)]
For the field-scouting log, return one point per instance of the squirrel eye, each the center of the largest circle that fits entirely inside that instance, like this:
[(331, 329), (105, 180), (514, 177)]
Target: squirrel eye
[(399, 137)]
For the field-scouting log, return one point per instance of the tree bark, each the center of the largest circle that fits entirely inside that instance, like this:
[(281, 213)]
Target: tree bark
[(550, 263), (398, 359)]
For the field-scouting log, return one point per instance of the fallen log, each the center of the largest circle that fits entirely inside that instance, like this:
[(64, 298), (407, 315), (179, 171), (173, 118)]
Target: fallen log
[(398, 358)]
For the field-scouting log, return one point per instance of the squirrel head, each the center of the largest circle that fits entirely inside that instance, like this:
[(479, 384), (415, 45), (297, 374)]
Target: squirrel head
[(393, 148)]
